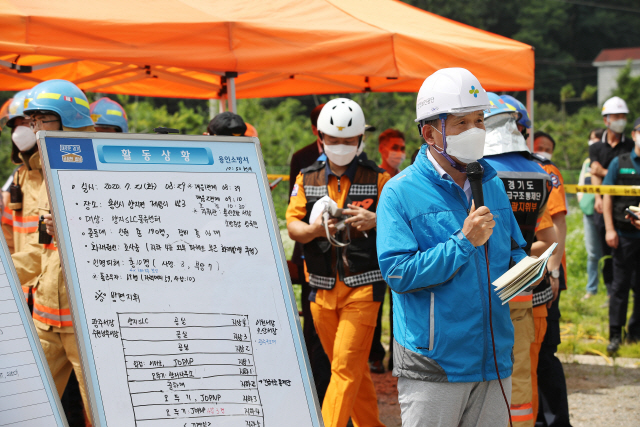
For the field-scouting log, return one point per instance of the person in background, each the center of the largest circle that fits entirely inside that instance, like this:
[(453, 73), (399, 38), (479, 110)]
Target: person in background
[(251, 130), (391, 146), (527, 189), (624, 238), (613, 143), (308, 154), (4, 117), (55, 105), (20, 216), (591, 238), (342, 265), (552, 386), (320, 365), (227, 124), (109, 116)]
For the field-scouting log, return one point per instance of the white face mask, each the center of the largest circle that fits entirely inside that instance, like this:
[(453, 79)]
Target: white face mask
[(467, 146), (591, 142), (637, 139), (618, 126), (395, 158), (340, 154), (544, 154), (24, 138)]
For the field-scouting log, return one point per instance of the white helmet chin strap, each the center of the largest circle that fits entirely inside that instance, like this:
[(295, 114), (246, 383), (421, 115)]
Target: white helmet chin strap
[(453, 163)]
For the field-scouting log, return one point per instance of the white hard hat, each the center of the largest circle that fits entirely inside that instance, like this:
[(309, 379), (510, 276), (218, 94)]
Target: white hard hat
[(615, 105), (341, 118), (450, 91)]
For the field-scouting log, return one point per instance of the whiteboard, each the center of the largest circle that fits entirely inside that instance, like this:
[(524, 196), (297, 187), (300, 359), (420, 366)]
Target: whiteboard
[(181, 300), (28, 396)]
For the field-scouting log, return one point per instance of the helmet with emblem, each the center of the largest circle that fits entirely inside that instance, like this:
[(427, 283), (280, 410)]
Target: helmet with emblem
[(62, 98), (108, 113), (341, 118)]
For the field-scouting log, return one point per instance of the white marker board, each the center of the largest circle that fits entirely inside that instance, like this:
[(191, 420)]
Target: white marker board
[(28, 396), (180, 296)]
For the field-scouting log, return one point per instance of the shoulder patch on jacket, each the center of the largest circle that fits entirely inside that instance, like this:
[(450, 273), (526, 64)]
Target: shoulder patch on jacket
[(314, 167), (554, 180), (294, 192), (538, 158), (371, 165)]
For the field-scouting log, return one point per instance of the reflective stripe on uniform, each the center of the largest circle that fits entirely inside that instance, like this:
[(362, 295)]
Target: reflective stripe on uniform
[(525, 296), (26, 290), (7, 216), (52, 316), (51, 246), (27, 224), (522, 412)]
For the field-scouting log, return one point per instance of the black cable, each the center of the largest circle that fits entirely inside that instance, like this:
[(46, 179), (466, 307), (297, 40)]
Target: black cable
[(493, 342)]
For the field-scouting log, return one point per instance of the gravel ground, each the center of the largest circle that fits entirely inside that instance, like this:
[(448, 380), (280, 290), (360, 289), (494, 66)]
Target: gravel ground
[(599, 396)]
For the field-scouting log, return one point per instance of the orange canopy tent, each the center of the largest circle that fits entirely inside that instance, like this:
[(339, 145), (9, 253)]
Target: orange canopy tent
[(183, 48)]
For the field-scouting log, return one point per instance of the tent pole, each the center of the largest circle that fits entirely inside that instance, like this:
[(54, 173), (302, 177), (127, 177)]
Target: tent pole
[(213, 106), (231, 90), (530, 110)]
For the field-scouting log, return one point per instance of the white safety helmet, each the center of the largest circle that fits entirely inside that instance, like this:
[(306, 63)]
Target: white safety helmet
[(341, 118), (615, 105), (450, 91)]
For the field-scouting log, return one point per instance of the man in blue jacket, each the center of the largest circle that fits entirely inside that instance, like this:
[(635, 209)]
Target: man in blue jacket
[(430, 250)]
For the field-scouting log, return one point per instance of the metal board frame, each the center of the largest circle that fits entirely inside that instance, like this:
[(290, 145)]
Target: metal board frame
[(89, 370), (32, 335)]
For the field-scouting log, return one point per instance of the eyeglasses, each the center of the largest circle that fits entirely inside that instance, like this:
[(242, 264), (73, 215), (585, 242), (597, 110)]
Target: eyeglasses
[(38, 123)]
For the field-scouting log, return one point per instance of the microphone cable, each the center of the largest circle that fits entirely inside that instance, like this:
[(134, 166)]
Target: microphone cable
[(493, 342)]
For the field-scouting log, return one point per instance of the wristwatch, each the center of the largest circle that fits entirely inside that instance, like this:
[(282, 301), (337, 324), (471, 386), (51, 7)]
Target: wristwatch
[(555, 273)]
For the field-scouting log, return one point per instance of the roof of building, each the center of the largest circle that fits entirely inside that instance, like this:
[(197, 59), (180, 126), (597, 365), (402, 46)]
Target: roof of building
[(621, 54)]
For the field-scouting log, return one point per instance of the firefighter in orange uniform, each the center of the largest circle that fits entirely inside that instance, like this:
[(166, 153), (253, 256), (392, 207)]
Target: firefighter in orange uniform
[(20, 216), (56, 105), (341, 263)]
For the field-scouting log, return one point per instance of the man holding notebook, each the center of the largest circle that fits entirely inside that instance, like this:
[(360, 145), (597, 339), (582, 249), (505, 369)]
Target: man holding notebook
[(448, 320)]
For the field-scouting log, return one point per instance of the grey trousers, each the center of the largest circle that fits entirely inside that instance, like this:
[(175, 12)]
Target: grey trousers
[(431, 404)]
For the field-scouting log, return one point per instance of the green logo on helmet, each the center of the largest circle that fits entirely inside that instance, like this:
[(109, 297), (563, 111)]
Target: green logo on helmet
[(474, 91)]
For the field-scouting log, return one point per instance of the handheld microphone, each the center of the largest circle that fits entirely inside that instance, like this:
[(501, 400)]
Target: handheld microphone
[(474, 175)]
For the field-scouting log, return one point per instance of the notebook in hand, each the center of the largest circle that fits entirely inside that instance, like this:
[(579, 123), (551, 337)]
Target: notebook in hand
[(522, 275)]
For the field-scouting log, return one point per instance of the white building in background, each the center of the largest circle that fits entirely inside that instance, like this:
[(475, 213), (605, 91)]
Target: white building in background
[(609, 63)]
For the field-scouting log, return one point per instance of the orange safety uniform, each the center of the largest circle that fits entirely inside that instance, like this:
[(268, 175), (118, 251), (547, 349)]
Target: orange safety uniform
[(20, 221), (523, 317), (345, 318), (555, 205), (52, 314)]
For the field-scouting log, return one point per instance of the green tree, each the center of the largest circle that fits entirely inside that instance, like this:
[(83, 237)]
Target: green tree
[(629, 90)]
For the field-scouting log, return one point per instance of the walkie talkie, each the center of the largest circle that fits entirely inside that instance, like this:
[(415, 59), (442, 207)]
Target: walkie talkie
[(44, 238)]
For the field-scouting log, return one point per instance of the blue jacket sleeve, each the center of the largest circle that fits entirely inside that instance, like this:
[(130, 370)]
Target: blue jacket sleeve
[(404, 266), (517, 253)]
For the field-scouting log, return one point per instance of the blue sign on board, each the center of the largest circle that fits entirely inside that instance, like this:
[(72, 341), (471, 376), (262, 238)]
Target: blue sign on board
[(71, 153), (154, 155)]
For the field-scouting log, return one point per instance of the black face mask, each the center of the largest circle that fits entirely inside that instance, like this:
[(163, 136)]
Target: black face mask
[(525, 134)]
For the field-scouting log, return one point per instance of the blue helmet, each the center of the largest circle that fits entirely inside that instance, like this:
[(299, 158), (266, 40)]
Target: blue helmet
[(63, 98), (106, 112), (16, 107), (524, 114), (498, 106)]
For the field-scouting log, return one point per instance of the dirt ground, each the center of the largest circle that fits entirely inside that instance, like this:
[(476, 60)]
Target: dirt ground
[(599, 396)]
